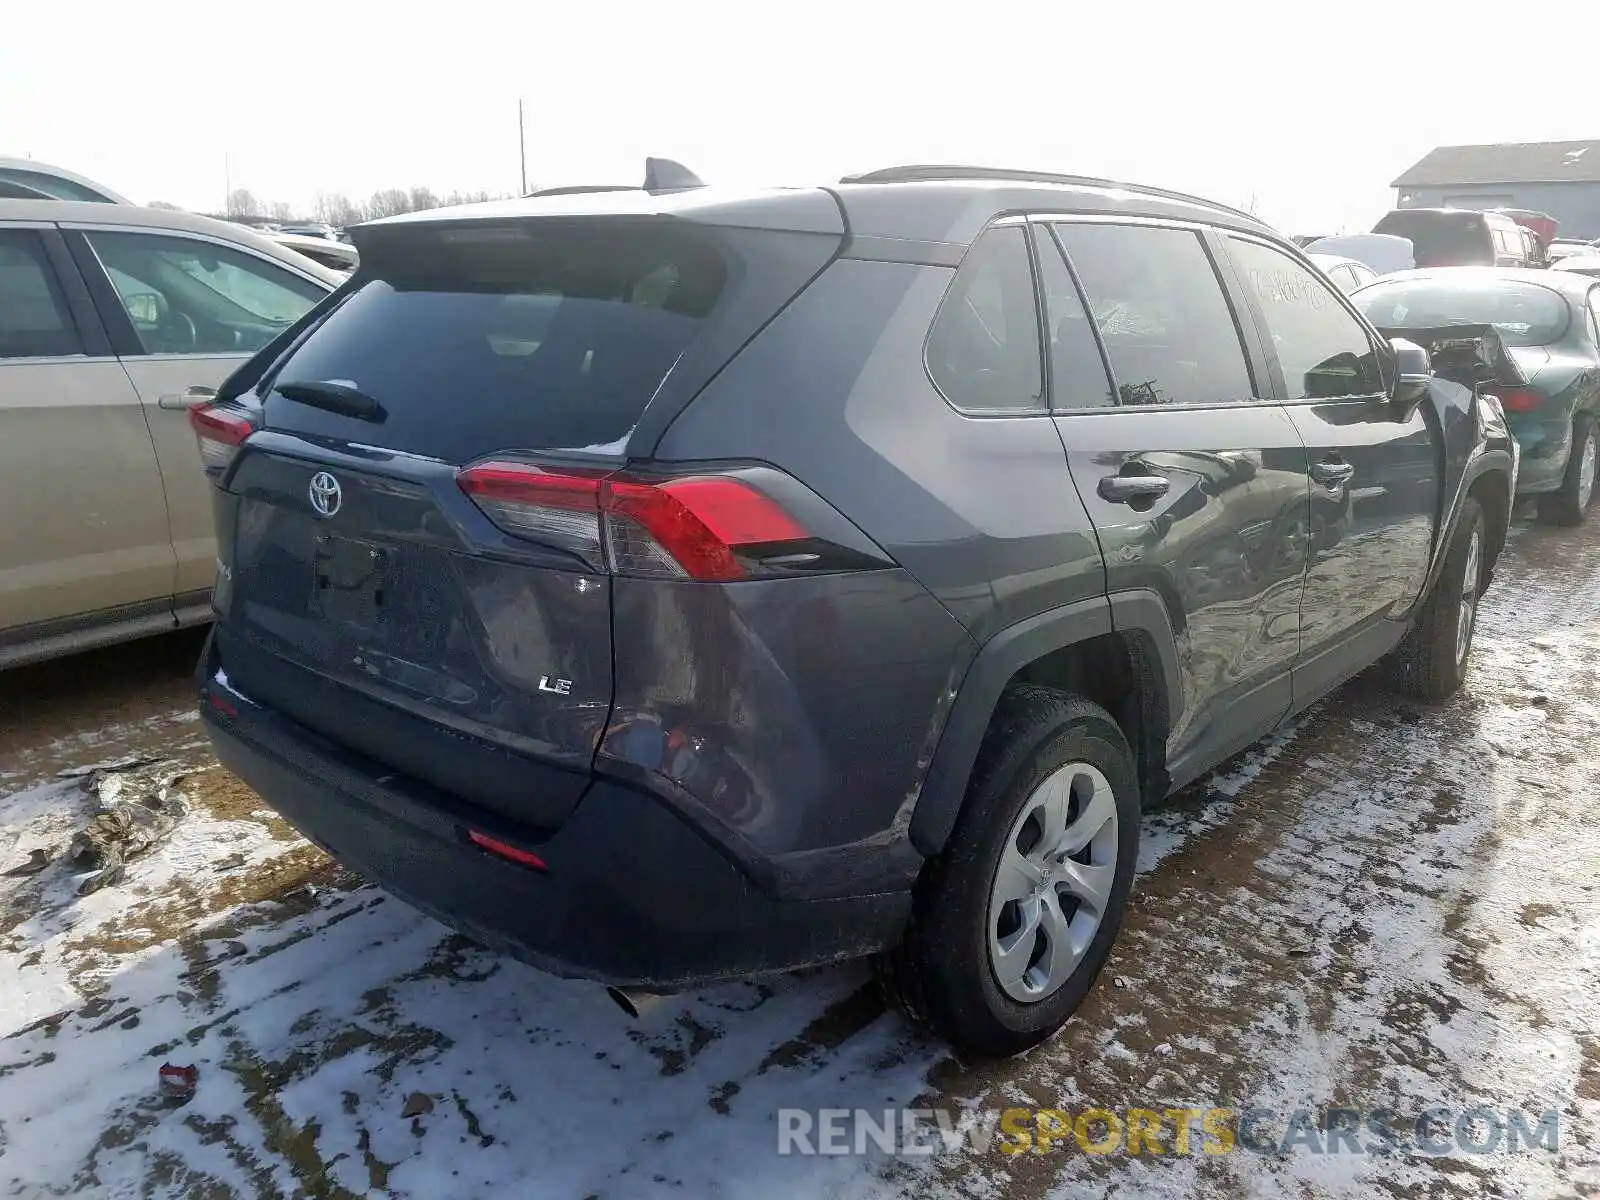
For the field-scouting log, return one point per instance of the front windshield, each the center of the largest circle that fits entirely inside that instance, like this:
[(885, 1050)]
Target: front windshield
[(1524, 314)]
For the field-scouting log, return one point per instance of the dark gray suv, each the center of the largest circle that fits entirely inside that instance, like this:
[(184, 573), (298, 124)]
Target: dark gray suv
[(671, 585)]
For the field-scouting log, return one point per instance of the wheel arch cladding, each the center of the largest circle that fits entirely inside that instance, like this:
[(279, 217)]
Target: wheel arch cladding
[(1492, 489), (1126, 664), (1488, 469)]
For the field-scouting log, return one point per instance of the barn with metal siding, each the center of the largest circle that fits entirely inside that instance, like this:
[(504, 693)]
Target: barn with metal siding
[(1559, 178)]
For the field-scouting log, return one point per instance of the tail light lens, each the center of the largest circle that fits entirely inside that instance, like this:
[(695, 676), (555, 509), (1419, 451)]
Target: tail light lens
[(1520, 399), (220, 434), (690, 528)]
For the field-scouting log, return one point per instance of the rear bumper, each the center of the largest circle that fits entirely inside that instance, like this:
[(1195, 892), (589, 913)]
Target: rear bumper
[(632, 896)]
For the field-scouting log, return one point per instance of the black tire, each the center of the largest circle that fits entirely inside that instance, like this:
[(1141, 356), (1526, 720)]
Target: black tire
[(1565, 505), (941, 975), (1428, 665)]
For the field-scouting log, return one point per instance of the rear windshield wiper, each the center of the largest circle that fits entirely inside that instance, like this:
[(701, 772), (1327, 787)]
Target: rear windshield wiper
[(338, 398)]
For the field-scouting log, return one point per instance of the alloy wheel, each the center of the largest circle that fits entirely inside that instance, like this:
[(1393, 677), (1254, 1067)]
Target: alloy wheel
[(1470, 581), (1586, 472)]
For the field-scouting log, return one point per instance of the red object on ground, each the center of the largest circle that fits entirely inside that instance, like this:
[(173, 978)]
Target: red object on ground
[(178, 1083)]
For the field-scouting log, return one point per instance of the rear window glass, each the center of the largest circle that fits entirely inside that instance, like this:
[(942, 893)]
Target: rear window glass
[(1524, 314), (1442, 239), (477, 340), (983, 349)]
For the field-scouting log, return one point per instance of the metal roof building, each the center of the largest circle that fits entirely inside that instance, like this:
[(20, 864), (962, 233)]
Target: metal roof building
[(1559, 178)]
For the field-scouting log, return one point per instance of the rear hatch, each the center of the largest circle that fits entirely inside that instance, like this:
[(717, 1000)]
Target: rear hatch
[(392, 579)]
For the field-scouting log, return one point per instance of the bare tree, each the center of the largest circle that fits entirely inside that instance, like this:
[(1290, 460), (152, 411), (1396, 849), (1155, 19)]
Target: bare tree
[(242, 203), (388, 203), (337, 209), (281, 210), (478, 197)]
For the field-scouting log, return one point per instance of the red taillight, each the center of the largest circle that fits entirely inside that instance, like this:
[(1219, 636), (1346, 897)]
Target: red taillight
[(516, 854), (220, 434), (678, 528), (699, 522), (1520, 399)]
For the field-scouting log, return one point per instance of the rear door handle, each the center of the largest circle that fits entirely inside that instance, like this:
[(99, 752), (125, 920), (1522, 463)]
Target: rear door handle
[(189, 398), (1119, 489), (1332, 472)]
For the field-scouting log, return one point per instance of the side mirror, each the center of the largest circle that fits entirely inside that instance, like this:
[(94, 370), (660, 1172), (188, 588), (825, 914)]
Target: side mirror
[(1413, 373)]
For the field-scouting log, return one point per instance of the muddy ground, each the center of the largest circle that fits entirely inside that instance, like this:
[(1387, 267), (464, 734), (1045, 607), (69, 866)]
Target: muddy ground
[(1382, 907)]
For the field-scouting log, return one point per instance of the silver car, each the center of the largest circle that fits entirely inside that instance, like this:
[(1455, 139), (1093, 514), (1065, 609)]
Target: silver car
[(114, 321), (1346, 273)]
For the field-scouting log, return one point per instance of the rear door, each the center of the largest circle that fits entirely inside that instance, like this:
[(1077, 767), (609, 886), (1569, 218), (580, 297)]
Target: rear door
[(184, 311), (1375, 477), (1195, 478), (83, 523)]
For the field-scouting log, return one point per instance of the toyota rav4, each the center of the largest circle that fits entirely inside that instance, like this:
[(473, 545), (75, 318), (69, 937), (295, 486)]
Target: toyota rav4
[(668, 585)]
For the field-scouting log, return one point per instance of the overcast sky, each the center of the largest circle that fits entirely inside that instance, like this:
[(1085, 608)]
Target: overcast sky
[(1306, 111)]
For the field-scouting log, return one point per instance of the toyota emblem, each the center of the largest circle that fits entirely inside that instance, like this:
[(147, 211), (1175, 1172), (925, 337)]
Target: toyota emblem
[(326, 494)]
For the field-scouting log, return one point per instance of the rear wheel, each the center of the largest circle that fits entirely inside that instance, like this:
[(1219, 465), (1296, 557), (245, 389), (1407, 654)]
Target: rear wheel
[(1432, 661), (1012, 923), (1570, 503)]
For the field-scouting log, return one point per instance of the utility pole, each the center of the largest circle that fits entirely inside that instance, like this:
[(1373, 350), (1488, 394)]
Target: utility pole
[(227, 181), (522, 149)]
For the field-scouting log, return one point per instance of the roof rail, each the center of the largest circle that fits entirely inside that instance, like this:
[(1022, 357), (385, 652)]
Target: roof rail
[(931, 173)]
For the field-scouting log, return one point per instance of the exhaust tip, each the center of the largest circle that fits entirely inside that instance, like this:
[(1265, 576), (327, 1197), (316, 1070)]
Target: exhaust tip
[(633, 1001)]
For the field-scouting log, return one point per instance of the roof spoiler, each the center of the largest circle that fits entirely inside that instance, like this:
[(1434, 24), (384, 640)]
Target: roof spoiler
[(660, 175)]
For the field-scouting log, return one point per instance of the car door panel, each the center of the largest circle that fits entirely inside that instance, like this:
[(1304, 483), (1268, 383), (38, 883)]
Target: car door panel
[(1197, 489), (1375, 474), (183, 330), (83, 521), (162, 383), (1375, 489), (1223, 545)]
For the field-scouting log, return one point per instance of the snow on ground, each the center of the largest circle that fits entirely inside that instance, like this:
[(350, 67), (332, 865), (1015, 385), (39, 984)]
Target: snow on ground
[(1382, 906)]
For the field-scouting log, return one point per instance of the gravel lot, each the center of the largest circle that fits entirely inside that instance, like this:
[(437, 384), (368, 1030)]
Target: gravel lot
[(1380, 907)]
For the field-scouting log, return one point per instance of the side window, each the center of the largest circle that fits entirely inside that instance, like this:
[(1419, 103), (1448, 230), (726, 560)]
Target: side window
[(34, 319), (1162, 314), (1324, 351), (187, 296), (1361, 276), (983, 349), (1078, 376)]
